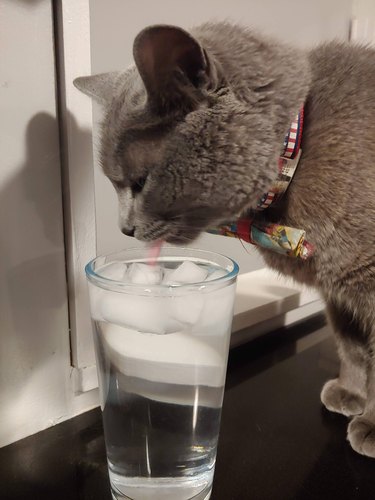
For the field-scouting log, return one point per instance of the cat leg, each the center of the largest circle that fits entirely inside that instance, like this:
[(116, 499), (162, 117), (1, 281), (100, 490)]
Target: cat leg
[(347, 393), (361, 430)]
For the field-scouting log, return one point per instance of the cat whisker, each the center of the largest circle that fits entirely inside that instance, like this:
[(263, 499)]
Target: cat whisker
[(185, 238), (184, 226)]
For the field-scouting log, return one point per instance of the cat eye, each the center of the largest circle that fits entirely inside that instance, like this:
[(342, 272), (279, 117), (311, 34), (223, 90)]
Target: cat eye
[(138, 185)]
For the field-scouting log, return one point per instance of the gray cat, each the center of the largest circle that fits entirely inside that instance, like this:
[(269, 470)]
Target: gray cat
[(191, 137)]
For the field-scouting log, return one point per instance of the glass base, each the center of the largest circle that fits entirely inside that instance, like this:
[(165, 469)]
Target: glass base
[(116, 496), (161, 488)]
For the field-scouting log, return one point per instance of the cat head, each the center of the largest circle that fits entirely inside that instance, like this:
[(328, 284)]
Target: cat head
[(185, 141)]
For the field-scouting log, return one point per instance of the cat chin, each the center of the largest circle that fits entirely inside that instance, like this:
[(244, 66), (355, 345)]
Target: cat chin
[(179, 234), (179, 239), (184, 238)]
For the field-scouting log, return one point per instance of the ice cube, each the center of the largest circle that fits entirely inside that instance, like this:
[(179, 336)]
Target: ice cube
[(178, 358), (142, 313), (96, 297), (217, 312), (187, 272), (143, 274), (113, 271), (186, 309), (219, 273), (167, 277)]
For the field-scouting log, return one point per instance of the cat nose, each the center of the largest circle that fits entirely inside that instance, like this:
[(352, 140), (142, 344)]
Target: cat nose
[(127, 231)]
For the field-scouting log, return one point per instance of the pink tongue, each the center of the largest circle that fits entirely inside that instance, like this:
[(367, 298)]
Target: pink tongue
[(154, 252)]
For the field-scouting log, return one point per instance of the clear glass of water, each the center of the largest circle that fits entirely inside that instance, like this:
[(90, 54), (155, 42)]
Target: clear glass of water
[(162, 337)]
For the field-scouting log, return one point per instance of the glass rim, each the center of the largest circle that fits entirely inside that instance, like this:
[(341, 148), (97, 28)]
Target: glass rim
[(102, 281)]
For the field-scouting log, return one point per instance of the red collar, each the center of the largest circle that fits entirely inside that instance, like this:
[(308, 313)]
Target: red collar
[(292, 142), (288, 162), (281, 239)]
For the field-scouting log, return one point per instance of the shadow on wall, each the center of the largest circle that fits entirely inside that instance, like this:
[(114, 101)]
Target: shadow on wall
[(32, 245), (33, 295), (32, 286)]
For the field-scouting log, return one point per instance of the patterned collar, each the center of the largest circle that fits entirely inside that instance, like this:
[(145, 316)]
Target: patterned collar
[(288, 163), (276, 237)]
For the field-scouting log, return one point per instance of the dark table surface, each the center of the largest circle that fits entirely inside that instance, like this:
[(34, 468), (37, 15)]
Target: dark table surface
[(276, 443)]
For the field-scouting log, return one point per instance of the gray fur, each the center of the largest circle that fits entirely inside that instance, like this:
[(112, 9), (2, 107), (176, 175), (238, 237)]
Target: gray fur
[(101, 87), (201, 144)]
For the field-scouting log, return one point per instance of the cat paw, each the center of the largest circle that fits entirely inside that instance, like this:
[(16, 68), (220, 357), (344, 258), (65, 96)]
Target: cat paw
[(361, 436), (338, 399)]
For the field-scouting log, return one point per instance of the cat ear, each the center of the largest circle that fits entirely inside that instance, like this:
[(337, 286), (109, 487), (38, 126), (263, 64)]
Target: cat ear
[(172, 65), (100, 87)]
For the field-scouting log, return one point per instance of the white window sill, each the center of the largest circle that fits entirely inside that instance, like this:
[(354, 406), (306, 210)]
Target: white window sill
[(266, 301)]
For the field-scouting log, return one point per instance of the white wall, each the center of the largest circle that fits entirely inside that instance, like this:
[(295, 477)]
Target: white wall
[(363, 28), (115, 23), (36, 389)]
